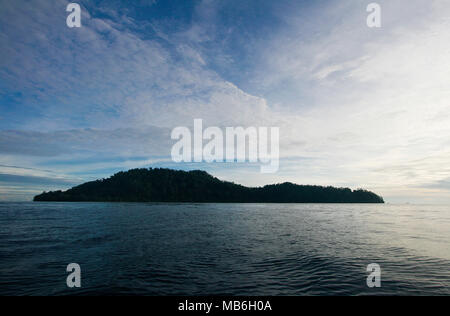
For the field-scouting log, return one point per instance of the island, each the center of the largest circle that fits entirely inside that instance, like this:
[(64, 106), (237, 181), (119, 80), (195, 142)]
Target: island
[(167, 185)]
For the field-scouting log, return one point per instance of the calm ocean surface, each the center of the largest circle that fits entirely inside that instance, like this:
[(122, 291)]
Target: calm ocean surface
[(229, 249)]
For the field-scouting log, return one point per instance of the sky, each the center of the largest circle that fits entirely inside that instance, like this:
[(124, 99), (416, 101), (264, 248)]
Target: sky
[(356, 106)]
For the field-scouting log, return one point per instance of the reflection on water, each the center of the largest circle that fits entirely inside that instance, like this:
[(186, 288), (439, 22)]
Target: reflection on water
[(236, 249)]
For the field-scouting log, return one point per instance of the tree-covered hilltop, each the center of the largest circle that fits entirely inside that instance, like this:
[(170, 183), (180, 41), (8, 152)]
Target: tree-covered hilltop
[(166, 185)]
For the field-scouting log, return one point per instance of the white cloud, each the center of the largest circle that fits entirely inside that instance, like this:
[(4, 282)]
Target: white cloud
[(377, 100), (103, 75)]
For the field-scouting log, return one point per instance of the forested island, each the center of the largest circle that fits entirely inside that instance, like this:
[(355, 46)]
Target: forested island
[(167, 185)]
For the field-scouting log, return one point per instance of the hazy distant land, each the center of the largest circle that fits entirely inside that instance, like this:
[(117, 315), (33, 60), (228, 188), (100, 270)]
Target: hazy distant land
[(166, 185)]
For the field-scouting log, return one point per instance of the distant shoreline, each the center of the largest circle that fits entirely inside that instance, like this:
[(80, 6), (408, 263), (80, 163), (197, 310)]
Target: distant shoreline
[(187, 203), (175, 186)]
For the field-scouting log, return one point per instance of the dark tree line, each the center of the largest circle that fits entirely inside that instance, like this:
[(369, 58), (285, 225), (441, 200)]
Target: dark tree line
[(166, 185)]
